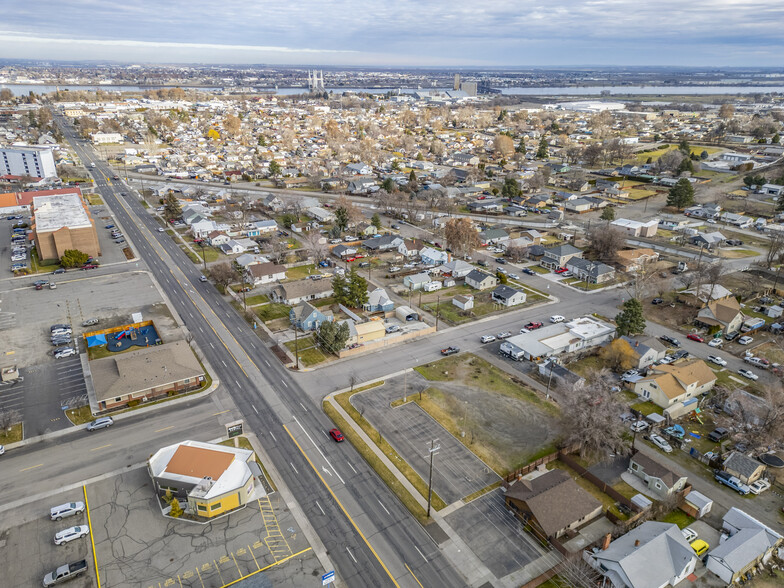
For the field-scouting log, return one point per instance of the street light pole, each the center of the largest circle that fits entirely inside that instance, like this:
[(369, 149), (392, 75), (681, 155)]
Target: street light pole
[(438, 309), (433, 450)]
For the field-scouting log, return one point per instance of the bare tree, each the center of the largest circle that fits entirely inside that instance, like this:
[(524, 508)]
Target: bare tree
[(774, 254), (760, 418), (606, 241), (461, 235), (224, 273), (278, 249), (9, 417), (315, 244), (590, 413), (643, 279)]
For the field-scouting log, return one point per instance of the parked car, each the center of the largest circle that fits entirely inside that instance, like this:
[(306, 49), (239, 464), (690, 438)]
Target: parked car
[(732, 482), (71, 533), (90, 322), (561, 270), (450, 350), (68, 509), (336, 435), (557, 318), (748, 374), (759, 362), (109, 226), (482, 262), (392, 329), (759, 486), (731, 336), (718, 434), (699, 546), (89, 266), (657, 301), (67, 571), (487, 338), (661, 443), (504, 335), (533, 325), (717, 360), (715, 342), (500, 260), (514, 276), (101, 423), (689, 534), (529, 271), (66, 352), (639, 426), (695, 337), (671, 340), (745, 340), (59, 270)]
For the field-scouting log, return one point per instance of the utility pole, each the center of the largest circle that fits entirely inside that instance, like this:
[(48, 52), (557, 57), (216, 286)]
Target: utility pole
[(438, 309), (433, 450), (296, 345), (699, 273)]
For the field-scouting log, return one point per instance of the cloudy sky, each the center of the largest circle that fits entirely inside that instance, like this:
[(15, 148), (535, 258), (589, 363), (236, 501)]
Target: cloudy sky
[(400, 32)]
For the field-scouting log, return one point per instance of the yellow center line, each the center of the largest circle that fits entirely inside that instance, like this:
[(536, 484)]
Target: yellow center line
[(340, 504), (412, 574), (221, 412), (165, 429), (92, 539), (101, 447), (32, 467)]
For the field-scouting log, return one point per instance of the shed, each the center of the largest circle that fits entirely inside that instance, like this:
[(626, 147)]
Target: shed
[(406, 313), (696, 504), (642, 501)]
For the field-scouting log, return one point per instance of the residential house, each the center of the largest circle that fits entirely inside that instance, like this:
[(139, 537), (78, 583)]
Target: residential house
[(567, 337), (579, 205), (217, 238), (357, 169), (647, 350), (232, 247), (481, 206), (272, 202), (480, 280), (306, 317), (463, 302), (264, 273), (378, 301), (409, 248), (343, 251), (743, 467), (557, 256), (364, 332), (724, 313), (457, 268), (321, 215), (633, 260), (292, 293), (430, 256), (263, 227), (508, 296), (750, 543), (651, 555), (592, 272), (709, 240), (362, 186), (416, 281), (737, 220), (660, 480), (247, 259), (676, 387), (366, 229), (465, 159), (532, 235), (248, 244), (551, 503), (383, 243), (493, 236)]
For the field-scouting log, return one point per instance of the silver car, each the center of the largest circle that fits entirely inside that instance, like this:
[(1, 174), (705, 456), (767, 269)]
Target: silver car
[(68, 509), (71, 533), (100, 423)]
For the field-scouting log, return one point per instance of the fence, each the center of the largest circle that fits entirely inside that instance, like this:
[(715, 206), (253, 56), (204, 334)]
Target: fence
[(601, 485), (541, 461)]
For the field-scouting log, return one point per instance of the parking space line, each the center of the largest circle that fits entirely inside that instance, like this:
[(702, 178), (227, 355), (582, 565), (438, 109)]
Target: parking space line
[(217, 567), (258, 567), (277, 563), (221, 412), (92, 539), (236, 564), (200, 580)]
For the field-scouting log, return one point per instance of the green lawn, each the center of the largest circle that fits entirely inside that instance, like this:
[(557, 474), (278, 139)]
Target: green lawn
[(539, 269), (257, 299), (322, 302), (309, 354), (11, 435), (271, 311), (647, 408), (300, 272), (81, 415), (678, 517)]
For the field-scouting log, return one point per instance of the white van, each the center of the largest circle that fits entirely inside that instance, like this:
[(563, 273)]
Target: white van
[(557, 318)]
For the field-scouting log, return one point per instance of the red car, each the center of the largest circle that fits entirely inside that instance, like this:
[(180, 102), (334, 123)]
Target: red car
[(89, 266), (533, 326), (695, 337), (351, 259), (561, 270), (336, 435)]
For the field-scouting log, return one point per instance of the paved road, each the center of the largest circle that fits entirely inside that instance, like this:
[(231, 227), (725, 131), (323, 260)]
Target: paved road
[(279, 411)]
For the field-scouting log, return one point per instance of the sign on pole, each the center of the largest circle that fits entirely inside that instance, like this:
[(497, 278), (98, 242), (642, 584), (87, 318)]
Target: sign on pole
[(234, 429), (328, 578)]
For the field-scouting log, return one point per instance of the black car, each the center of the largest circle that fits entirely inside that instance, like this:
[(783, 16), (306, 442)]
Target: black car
[(680, 354), (500, 260), (482, 262), (732, 336), (657, 301), (671, 340), (529, 271)]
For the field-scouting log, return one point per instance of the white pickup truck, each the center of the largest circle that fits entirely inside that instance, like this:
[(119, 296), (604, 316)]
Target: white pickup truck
[(65, 572)]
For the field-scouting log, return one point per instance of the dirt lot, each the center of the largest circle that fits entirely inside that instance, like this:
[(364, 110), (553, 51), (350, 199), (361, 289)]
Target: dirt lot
[(505, 423)]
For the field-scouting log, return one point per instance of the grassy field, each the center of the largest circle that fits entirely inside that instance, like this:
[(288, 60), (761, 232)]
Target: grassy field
[(300, 272), (11, 435), (309, 354), (271, 311), (94, 199), (257, 299), (737, 253), (80, 416)]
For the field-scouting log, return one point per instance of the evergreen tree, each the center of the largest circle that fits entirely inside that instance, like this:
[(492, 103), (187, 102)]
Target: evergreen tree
[(389, 185), (171, 207), (685, 147), (510, 188), (274, 168), (412, 177), (630, 321), (521, 146), (332, 336), (704, 155), (357, 289), (681, 194), (686, 165), (542, 153), (608, 214), (73, 258), (341, 218), (339, 289), (376, 221)]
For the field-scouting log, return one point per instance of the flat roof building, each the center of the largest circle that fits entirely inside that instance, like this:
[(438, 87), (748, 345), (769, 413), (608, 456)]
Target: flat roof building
[(27, 160), (60, 222)]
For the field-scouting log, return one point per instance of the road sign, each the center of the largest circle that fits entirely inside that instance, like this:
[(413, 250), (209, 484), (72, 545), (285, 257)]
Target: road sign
[(234, 429), (328, 578)]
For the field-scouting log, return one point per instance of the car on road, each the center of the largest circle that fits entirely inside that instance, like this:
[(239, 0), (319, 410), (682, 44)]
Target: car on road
[(759, 486), (715, 342), (514, 276), (68, 509), (70, 534), (732, 482), (745, 340), (41, 283), (529, 271), (671, 340), (557, 318), (450, 350), (657, 301), (748, 374), (101, 423), (639, 426), (504, 335), (500, 270), (482, 262), (689, 534), (62, 353), (59, 270), (336, 435), (161, 229), (661, 443), (717, 360), (500, 260), (695, 337), (533, 325), (487, 338), (699, 546), (395, 227), (89, 266)]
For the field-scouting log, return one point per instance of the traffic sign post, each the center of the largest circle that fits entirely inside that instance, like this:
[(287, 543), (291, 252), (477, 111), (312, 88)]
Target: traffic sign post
[(328, 578), (234, 429)]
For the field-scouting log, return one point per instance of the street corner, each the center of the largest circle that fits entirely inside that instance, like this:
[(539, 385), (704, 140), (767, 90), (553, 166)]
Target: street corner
[(136, 545)]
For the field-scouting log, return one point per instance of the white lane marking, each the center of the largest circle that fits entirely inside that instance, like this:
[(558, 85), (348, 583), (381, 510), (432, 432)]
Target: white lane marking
[(273, 436), (326, 471), (321, 509), (284, 383), (293, 468), (352, 555), (224, 363), (252, 345), (385, 509), (265, 361), (236, 382), (303, 407), (319, 450), (420, 553), (256, 410), (211, 345), (352, 467)]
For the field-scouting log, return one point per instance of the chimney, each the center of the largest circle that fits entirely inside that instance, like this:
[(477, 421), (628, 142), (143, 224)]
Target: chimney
[(606, 541), (519, 476), (637, 543)]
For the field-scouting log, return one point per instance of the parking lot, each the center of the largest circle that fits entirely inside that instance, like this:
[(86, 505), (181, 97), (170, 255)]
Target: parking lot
[(29, 552), (137, 546), (111, 252), (27, 315), (6, 248)]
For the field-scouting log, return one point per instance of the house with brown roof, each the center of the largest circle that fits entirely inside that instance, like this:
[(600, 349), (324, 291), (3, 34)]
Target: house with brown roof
[(660, 480), (265, 273), (672, 386), (552, 503), (724, 313), (633, 260)]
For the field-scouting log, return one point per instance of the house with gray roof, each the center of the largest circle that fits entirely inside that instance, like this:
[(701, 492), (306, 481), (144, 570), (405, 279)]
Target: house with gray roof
[(480, 280), (591, 272), (750, 542), (383, 243), (457, 268), (651, 555), (307, 317), (660, 480), (743, 467), (508, 296), (493, 236), (416, 281), (648, 350), (378, 301), (557, 256)]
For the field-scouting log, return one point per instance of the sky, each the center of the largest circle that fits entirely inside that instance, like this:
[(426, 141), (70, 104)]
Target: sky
[(399, 32)]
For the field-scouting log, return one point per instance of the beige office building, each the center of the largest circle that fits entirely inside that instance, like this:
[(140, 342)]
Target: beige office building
[(61, 222)]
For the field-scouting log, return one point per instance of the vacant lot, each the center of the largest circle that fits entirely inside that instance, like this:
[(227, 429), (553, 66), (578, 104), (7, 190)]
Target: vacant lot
[(505, 423)]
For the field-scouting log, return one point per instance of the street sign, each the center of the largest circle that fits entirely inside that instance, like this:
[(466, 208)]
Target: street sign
[(328, 578), (234, 429)]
